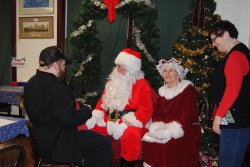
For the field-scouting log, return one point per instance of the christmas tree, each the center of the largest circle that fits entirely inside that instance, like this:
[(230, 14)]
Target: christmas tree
[(195, 50), (143, 37)]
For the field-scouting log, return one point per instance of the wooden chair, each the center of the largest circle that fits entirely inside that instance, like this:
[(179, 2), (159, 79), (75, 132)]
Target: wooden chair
[(12, 154), (38, 159)]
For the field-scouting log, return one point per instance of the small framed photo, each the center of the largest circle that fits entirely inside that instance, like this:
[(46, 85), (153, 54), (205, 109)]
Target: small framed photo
[(33, 7), (36, 27)]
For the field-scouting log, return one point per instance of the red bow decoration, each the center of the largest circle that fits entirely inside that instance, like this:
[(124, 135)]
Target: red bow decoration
[(110, 4)]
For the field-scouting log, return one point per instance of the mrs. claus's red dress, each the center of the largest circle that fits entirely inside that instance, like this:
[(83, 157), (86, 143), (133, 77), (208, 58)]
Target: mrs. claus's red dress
[(174, 137)]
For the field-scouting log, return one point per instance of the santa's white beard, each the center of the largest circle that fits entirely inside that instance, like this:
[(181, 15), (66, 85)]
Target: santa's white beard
[(118, 89)]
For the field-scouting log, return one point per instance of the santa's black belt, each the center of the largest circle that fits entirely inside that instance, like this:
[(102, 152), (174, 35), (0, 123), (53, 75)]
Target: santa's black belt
[(113, 116)]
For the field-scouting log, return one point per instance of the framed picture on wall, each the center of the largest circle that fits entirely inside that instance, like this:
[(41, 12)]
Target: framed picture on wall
[(36, 27), (34, 7)]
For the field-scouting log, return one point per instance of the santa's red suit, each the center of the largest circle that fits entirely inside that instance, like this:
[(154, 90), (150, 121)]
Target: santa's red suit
[(141, 107)]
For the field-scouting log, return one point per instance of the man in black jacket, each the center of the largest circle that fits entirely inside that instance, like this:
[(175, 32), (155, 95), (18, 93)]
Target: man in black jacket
[(51, 106)]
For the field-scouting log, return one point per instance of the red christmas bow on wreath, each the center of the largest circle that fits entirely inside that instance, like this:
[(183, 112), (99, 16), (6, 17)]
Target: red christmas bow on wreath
[(110, 4)]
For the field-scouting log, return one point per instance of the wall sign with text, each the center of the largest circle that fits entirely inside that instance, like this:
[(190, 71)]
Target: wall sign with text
[(18, 62)]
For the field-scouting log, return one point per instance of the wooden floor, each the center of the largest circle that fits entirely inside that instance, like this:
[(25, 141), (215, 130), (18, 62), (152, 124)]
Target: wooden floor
[(29, 162)]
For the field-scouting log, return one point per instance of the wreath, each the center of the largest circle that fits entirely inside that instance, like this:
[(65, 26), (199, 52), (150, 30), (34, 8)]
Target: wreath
[(87, 47)]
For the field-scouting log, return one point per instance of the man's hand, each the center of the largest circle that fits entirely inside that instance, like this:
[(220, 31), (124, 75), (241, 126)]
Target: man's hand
[(216, 124)]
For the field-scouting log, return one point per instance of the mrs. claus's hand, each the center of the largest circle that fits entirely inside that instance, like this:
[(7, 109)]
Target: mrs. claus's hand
[(216, 124)]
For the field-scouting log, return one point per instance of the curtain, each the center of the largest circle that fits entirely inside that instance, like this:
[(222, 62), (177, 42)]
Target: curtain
[(112, 44), (5, 42), (170, 18), (113, 37)]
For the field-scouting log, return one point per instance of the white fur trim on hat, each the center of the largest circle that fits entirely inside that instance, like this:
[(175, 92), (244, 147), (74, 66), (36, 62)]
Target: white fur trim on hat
[(128, 60), (131, 118)]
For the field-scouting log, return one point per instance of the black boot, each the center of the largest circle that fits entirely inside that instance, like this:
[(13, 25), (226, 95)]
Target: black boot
[(125, 163)]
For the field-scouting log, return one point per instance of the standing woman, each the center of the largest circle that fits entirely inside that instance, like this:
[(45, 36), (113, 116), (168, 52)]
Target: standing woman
[(231, 95), (174, 137)]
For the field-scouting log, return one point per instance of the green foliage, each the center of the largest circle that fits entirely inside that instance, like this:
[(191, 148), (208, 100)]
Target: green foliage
[(87, 45), (194, 49), (209, 143)]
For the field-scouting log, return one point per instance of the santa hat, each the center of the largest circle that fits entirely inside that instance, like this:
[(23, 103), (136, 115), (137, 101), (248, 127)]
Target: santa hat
[(129, 58)]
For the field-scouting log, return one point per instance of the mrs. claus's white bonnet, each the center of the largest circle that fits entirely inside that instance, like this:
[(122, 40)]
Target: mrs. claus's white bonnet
[(174, 64)]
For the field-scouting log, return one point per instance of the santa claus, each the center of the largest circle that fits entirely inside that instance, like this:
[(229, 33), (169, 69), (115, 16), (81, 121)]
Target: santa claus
[(125, 106)]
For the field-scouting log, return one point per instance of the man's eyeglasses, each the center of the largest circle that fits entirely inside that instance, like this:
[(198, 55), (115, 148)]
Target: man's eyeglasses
[(213, 39)]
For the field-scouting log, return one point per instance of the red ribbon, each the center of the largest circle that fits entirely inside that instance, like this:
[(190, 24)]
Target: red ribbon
[(110, 4), (198, 15)]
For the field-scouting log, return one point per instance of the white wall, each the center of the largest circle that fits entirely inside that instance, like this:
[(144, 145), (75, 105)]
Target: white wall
[(237, 12), (31, 48)]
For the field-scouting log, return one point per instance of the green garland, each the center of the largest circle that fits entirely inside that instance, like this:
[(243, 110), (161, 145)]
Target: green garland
[(87, 47)]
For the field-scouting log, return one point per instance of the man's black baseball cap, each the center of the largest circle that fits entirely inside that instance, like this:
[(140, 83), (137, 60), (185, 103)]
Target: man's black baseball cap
[(50, 55)]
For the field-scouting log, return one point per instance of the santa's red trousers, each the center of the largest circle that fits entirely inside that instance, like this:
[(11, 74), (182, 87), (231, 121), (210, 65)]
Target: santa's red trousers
[(130, 141)]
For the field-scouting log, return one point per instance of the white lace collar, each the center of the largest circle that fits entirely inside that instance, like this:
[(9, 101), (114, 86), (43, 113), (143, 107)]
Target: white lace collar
[(170, 93)]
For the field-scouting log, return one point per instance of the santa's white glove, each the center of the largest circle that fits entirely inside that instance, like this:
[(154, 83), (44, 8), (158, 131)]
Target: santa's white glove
[(111, 126), (119, 130), (91, 122), (97, 118), (156, 126), (162, 134), (101, 123)]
